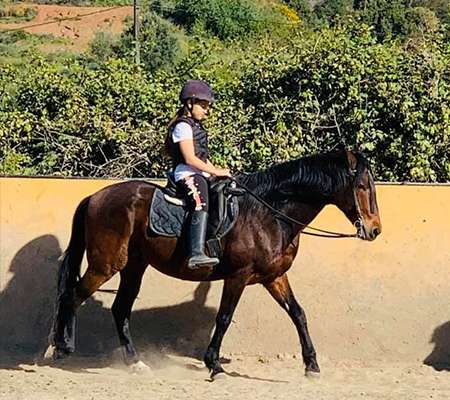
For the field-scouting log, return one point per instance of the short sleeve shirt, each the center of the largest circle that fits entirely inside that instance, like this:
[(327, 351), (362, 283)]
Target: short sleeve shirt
[(183, 131)]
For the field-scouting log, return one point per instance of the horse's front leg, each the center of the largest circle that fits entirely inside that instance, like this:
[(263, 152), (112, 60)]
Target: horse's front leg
[(232, 291), (130, 283), (281, 291)]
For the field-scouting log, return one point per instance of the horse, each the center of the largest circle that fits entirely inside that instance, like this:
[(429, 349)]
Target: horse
[(111, 225)]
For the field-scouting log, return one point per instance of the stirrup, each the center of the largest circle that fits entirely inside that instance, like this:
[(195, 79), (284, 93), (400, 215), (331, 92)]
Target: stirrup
[(202, 261)]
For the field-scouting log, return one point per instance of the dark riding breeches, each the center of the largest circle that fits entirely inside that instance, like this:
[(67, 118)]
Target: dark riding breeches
[(195, 189)]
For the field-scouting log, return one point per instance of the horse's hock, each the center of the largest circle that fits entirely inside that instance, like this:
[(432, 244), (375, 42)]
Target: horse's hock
[(384, 300)]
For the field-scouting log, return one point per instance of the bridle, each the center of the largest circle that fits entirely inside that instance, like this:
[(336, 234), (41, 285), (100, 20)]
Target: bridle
[(358, 224), (323, 233)]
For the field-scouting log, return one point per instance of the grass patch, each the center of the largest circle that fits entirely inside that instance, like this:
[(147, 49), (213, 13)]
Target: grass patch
[(14, 45)]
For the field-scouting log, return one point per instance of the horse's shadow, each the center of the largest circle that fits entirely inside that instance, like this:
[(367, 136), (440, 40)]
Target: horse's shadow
[(27, 305), (183, 329), (439, 358)]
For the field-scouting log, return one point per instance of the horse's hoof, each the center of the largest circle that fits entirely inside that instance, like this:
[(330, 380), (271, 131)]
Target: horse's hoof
[(49, 354), (141, 368), (312, 374), (219, 376)]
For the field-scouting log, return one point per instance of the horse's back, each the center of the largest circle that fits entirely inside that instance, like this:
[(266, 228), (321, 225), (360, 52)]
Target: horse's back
[(120, 206), (123, 194)]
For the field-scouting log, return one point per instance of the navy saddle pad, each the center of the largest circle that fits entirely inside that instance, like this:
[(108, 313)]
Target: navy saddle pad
[(168, 219)]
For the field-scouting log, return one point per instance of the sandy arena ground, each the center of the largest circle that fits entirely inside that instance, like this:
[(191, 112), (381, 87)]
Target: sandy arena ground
[(248, 377)]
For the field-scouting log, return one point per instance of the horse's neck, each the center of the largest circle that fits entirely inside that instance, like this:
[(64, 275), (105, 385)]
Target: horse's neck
[(301, 212)]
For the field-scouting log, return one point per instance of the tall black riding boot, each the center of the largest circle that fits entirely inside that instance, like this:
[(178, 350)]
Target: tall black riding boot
[(197, 235)]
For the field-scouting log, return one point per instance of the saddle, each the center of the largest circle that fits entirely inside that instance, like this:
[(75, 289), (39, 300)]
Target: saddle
[(168, 212)]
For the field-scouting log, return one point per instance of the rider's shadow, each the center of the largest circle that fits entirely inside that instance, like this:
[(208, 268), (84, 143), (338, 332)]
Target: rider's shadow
[(439, 358), (27, 301)]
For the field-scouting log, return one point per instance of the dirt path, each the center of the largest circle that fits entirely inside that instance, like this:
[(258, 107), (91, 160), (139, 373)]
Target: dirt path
[(251, 378), (80, 29)]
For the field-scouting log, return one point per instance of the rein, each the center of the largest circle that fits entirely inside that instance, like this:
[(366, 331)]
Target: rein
[(325, 233)]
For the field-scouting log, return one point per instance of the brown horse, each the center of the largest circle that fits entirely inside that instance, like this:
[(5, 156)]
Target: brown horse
[(112, 226)]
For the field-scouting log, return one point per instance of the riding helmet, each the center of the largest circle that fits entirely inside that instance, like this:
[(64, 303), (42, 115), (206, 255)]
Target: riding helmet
[(196, 89)]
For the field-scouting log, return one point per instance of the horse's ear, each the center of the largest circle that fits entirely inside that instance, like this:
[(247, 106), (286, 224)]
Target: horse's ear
[(352, 160)]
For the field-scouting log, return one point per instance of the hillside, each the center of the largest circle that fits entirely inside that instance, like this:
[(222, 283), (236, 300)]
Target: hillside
[(75, 25)]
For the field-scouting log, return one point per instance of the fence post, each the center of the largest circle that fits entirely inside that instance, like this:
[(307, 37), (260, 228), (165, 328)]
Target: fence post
[(136, 10)]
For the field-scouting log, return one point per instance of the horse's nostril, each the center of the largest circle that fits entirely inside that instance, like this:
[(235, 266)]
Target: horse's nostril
[(375, 232)]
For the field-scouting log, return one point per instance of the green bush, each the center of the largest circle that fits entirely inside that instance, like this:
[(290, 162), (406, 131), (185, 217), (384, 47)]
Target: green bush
[(403, 18), (340, 86), (104, 46), (161, 44), (16, 13), (420, 21), (389, 18), (226, 19), (330, 9), (79, 121), (278, 99)]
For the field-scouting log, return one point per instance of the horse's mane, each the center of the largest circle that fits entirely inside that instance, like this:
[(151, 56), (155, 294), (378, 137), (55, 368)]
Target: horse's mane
[(319, 175)]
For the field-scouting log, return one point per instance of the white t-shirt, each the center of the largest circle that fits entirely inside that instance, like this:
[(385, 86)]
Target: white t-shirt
[(180, 132)]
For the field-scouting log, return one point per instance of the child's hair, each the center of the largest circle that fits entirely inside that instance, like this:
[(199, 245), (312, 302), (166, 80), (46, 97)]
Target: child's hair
[(168, 144)]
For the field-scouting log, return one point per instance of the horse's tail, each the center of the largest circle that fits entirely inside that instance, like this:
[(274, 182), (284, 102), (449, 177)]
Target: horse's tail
[(69, 271)]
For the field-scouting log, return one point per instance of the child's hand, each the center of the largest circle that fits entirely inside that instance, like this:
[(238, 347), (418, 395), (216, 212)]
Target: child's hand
[(222, 172)]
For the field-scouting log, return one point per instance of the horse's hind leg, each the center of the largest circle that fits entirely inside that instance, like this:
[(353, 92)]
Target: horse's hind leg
[(130, 283), (102, 265), (64, 336), (232, 291), (282, 293)]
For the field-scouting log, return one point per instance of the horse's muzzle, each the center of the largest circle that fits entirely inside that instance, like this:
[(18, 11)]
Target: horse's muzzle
[(366, 234)]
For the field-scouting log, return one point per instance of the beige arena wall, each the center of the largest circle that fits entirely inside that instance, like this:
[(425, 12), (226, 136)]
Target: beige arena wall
[(385, 300)]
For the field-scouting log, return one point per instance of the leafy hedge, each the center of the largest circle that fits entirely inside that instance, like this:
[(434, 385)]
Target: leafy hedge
[(389, 18), (277, 100), (225, 19), (340, 86)]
